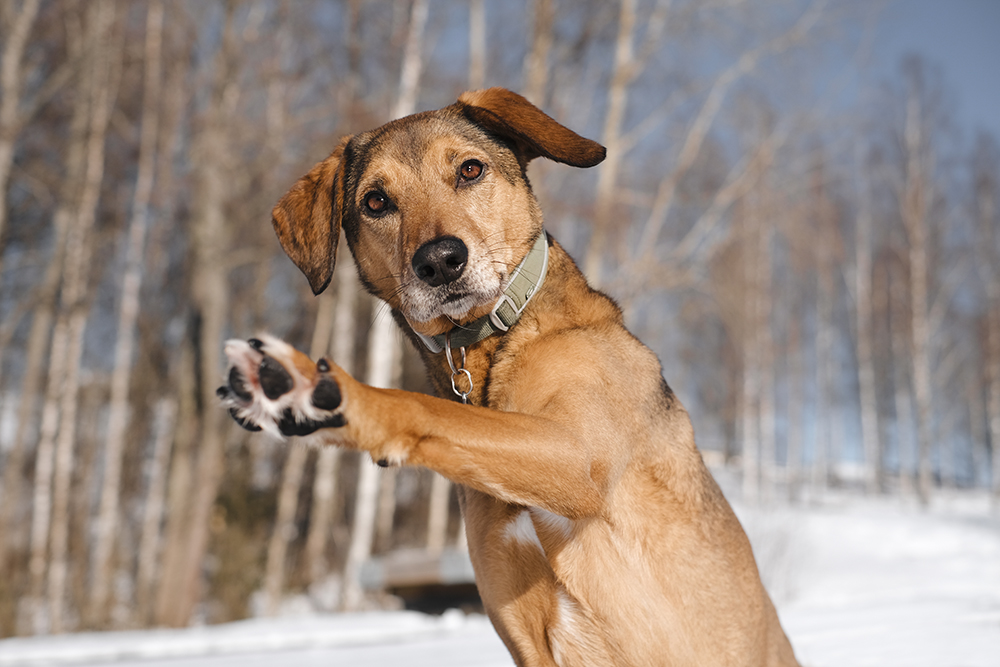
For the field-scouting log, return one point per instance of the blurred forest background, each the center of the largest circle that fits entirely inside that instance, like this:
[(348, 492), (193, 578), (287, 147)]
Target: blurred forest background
[(822, 287)]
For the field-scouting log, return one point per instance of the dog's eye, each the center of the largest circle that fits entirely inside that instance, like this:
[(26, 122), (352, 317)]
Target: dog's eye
[(471, 170), (376, 202)]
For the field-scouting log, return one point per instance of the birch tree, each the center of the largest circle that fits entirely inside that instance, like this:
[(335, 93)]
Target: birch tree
[(986, 183), (105, 45), (152, 517), (384, 350), (181, 584), (864, 336), (536, 64), (16, 109), (341, 348), (17, 18), (128, 314), (915, 196)]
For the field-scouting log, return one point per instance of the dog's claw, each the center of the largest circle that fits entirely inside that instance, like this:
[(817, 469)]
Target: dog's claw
[(248, 425)]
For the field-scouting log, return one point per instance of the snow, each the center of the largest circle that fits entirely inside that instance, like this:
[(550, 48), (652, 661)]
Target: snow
[(856, 582)]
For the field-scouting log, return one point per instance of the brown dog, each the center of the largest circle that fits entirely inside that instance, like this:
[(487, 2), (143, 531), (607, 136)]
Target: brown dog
[(597, 534)]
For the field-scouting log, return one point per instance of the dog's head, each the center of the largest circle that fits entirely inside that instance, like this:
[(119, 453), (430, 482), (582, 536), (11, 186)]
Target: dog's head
[(436, 207)]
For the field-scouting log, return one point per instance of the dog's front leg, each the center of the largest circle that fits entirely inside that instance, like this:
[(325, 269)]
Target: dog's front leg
[(517, 458)]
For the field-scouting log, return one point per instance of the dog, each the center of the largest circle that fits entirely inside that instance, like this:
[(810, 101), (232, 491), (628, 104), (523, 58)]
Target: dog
[(597, 534)]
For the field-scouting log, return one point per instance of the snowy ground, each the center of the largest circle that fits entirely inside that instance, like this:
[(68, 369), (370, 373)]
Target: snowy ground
[(856, 582)]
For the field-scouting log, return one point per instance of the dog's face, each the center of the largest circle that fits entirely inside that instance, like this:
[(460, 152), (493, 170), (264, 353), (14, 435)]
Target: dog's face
[(436, 207)]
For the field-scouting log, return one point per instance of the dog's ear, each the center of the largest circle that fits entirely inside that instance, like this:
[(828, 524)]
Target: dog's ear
[(307, 219), (536, 134)]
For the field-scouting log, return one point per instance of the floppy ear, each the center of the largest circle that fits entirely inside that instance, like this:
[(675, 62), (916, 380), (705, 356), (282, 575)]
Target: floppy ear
[(537, 135), (307, 219)]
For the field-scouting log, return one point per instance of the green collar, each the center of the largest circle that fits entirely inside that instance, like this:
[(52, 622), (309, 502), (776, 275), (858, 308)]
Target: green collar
[(524, 283)]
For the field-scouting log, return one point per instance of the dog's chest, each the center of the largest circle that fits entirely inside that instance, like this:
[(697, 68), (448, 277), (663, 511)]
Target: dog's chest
[(534, 528)]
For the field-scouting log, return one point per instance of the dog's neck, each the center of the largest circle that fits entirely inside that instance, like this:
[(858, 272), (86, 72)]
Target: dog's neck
[(523, 284), (482, 356)]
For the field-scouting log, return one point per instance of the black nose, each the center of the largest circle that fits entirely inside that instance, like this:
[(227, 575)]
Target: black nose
[(440, 261)]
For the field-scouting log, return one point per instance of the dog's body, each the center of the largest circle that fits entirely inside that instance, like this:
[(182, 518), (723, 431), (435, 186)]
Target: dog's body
[(597, 534)]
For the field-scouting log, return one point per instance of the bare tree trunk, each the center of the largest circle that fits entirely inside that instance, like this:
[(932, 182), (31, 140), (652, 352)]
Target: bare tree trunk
[(977, 424), (209, 235), (993, 388), (864, 335), (32, 384), (180, 487), (915, 203), (152, 518), (324, 487), (18, 19), (477, 44), (384, 351), (437, 518), (291, 480), (986, 174), (284, 527), (796, 368), (536, 64), (622, 73), (385, 516), (127, 316), (765, 346), (63, 222), (750, 342), (107, 64), (902, 396)]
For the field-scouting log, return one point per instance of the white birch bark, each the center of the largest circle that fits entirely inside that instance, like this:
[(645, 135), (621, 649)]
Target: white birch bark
[(823, 444), (384, 351), (180, 488), (902, 395), (796, 432), (32, 384), (18, 18), (291, 480), (128, 315), (536, 64), (765, 344), (864, 341), (152, 517), (622, 74), (751, 333), (477, 44), (209, 239), (106, 47), (914, 211), (988, 263), (325, 486)]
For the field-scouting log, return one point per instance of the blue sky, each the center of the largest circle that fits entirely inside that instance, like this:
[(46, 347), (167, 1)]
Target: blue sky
[(962, 38)]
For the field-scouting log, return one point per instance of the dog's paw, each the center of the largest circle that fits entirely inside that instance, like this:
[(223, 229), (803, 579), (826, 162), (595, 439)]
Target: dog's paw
[(273, 387)]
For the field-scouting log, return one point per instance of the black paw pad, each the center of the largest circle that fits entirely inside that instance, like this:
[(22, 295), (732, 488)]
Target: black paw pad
[(248, 425), (238, 385), (326, 396), (274, 379), (290, 426)]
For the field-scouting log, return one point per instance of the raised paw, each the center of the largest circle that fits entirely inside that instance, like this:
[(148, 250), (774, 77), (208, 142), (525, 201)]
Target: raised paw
[(273, 387)]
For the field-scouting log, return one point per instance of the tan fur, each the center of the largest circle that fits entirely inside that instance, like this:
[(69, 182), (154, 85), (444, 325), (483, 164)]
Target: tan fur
[(597, 534)]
